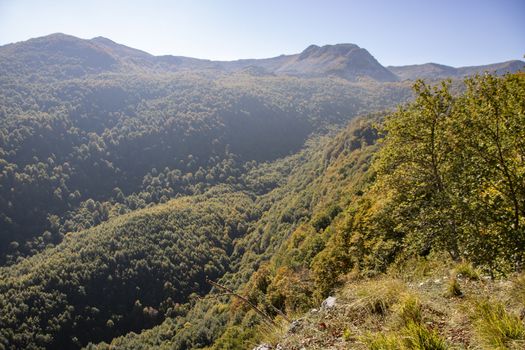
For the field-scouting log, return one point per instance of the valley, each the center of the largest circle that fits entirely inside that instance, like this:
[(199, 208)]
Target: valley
[(128, 180)]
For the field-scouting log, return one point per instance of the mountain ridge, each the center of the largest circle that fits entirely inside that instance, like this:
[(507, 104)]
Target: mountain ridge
[(100, 54), (433, 70)]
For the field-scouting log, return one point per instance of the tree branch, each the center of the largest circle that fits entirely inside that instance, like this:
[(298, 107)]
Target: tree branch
[(244, 299)]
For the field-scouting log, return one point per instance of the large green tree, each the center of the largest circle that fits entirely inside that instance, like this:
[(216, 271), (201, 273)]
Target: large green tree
[(454, 170)]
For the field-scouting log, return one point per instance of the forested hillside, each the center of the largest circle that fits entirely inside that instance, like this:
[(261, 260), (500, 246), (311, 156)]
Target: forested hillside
[(70, 146), (130, 183), (376, 207)]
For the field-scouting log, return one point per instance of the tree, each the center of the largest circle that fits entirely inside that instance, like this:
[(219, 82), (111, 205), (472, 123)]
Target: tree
[(490, 132), (414, 165), (454, 169)]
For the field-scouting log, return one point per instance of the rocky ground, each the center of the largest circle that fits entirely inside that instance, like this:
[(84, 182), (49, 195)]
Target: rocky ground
[(441, 308)]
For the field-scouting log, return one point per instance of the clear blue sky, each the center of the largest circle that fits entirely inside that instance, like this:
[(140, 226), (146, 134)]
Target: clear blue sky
[(459, 32)]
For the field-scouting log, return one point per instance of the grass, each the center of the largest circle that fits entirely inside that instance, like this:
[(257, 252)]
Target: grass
[(404, 311), (453, 288), (412, 333), (383, 342), (379, 295), (414, 336), (496, 328), (409, 310), (466, 270), (419, 337), (347, 334), (420, 268), (272, 333), (518, 289)]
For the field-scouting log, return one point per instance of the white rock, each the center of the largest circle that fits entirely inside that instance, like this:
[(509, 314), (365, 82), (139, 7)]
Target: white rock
[(263, 347), (328, 303), (294, 326)]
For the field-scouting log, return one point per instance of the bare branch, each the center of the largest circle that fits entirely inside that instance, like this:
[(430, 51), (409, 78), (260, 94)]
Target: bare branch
[(244, 299)]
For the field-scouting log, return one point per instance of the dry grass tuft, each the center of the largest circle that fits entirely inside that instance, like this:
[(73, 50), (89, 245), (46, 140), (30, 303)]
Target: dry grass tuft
[(496, 328), (409, 310), (379, 295), (453, 288), (414, 336), (466, 270)]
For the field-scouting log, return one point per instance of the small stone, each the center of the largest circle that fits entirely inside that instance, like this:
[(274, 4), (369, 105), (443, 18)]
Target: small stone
[(294, 326), (328, 303), (263, 347)]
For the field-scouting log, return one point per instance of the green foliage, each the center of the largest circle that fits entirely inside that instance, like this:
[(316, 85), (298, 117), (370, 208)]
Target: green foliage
[(453, 167), (235, 337), (415, 201), (323, 220), (447, 179), (129, 139), (123, 275)]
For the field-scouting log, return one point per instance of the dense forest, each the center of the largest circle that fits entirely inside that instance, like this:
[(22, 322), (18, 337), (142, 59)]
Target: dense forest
[(129, 182), (386, 190), (70, 147)]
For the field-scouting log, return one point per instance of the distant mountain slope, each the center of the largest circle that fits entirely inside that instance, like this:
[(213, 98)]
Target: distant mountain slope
[(61, 56), (439, 71), (347, 61), (54, 52)]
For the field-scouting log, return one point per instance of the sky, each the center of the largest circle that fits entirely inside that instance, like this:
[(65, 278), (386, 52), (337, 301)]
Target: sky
[(457, 33)]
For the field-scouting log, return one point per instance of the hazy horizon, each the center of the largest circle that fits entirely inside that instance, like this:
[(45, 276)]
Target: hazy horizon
[(402, 33)]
